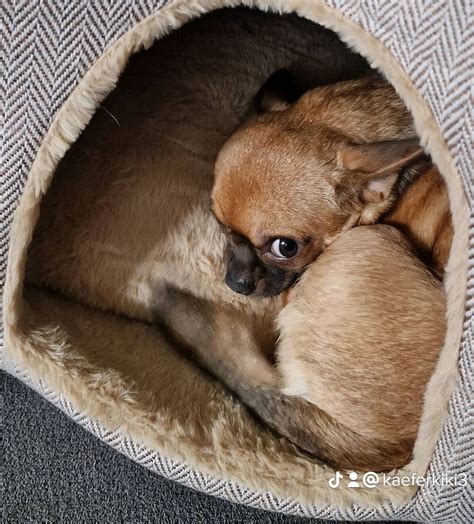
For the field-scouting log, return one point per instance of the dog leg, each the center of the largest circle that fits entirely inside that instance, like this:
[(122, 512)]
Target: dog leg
[(224, 340), (221, 341)]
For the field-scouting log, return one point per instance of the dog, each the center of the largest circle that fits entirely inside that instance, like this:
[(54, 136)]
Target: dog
[(290, 181), (360, 334)]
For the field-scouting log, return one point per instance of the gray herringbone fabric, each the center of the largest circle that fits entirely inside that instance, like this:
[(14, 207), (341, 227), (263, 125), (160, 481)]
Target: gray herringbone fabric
[(47, 46)]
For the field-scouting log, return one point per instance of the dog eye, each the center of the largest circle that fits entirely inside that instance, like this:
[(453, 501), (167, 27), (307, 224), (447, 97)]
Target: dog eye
[(284, 248)]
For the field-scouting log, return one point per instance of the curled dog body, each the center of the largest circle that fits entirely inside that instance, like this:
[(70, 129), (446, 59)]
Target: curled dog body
[(299, 189), (347, 387)]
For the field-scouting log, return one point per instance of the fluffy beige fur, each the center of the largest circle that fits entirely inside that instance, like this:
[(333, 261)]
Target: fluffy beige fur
[(87, 355)]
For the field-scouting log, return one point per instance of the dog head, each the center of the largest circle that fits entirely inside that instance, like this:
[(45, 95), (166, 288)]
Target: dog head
[(299, 173)]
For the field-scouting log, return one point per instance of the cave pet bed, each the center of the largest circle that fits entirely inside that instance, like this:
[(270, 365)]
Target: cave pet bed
[(60, 60)]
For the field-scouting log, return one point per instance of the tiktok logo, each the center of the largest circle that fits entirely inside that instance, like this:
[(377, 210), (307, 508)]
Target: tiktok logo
[(335, 481)]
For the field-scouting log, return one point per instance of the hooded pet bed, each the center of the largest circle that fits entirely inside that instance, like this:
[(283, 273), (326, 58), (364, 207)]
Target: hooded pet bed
[(77, 310)]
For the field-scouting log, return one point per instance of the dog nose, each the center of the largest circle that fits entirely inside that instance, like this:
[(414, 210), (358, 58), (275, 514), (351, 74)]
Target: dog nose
[(240, 285)]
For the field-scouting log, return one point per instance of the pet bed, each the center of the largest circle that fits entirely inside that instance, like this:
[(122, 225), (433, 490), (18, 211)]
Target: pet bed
[(87, 232)]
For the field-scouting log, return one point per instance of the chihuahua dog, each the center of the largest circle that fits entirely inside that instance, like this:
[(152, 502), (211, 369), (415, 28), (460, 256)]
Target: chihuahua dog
[(292, 180), (361, 331)]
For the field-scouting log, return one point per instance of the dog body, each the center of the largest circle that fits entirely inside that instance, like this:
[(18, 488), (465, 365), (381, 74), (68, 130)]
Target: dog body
[(362, 330), (360, 338), (358, 342)]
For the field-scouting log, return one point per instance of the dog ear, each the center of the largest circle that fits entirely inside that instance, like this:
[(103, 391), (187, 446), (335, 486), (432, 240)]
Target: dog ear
[(379, 164), (277, 93)]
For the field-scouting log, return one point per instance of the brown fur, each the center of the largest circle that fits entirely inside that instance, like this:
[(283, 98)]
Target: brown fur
[(362, 330), (312, 170), (100, 260), (281, 172), (423, 215)]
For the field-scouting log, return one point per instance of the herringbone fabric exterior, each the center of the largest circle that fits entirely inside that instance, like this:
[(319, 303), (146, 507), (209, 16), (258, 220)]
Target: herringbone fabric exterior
[(48, 46)]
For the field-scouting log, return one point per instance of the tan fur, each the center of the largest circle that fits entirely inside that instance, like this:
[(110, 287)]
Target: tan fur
[(106, 238), (351, 376), (352, 329), (320, 166), (361, 336), (37, 350)]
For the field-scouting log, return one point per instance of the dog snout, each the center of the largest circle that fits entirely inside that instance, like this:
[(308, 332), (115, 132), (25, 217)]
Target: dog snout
[(245, 285), (243, 271)]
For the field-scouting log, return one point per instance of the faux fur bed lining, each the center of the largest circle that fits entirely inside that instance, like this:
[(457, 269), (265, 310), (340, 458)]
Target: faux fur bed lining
[(91, 357)]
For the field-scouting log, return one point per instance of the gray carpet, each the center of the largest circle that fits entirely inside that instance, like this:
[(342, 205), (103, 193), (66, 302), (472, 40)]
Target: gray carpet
[(55, 471)]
